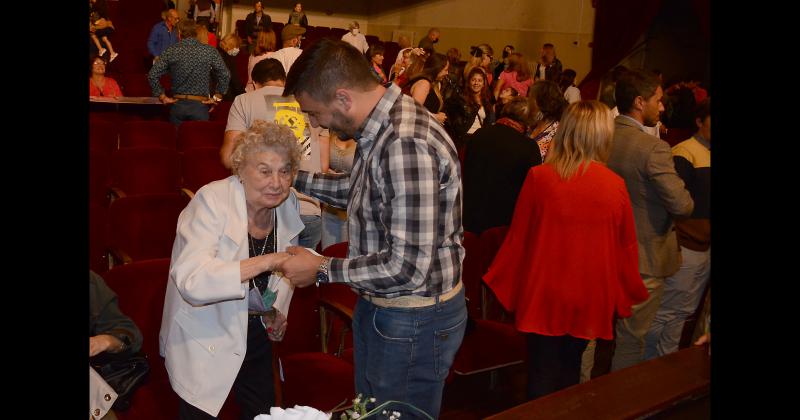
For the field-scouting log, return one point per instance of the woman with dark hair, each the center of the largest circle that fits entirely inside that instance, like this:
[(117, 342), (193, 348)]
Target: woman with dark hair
[(424, 86), (469, 111), (547, 103), (297, 16), (453, 84), (99, 84), (516, 75), (375, 57), (567, 85)]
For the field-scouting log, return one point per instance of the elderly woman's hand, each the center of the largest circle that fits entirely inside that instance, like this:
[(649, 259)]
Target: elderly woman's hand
[(276, 327), (301, 268), (276, 259)]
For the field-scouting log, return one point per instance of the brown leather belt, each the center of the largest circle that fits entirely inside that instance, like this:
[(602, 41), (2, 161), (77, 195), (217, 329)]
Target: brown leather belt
[(192, 97), (413, 301)]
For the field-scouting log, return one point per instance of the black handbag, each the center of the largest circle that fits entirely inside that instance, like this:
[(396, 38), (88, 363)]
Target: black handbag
[(124, 373)]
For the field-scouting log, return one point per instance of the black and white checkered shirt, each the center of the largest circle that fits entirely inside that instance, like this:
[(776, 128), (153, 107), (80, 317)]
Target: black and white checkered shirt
[(403, 200)]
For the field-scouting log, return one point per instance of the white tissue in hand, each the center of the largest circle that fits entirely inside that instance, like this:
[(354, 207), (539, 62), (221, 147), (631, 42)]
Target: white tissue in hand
[(299, 412)]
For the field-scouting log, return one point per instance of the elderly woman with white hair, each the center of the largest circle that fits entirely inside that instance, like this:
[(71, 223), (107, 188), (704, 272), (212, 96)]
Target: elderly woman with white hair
[(224, 303)]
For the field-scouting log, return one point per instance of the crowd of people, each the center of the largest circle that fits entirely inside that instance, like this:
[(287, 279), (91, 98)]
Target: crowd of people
[(606, 220)]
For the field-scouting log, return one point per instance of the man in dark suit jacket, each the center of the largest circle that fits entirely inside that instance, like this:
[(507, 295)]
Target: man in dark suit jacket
[(657, 194), (497, 160), (256, 21)]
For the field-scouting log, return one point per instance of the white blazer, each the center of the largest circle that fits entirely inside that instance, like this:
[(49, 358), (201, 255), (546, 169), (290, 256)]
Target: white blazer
[(203, 334)]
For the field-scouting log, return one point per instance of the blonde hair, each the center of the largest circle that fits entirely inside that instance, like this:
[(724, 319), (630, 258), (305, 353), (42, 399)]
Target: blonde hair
[(265, 136), (230, 41), (202, 34), (584, 134)]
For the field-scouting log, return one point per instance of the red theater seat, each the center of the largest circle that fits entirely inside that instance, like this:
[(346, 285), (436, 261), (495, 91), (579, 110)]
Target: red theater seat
[(143, 227), (142, 170), (147, 133)]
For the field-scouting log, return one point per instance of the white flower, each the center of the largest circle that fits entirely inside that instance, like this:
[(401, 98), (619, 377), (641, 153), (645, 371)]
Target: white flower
[(356, 415), (357, 400), (372, 400), (396, 414)]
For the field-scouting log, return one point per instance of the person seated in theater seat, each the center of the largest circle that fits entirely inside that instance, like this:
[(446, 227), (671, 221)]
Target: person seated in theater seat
[(99, 84), (110, 332)]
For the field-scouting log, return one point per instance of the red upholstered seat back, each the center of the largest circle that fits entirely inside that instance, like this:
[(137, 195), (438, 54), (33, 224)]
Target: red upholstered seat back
[(200, 166), (144, 226), (147, 133), (99, 176), (103, 135), (143, 170), (193, 134)]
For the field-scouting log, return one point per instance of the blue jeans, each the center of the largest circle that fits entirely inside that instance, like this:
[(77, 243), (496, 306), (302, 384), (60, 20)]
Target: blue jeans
[(405, 354), (334, 226), (682, 293), (309, 236), (187, 110)]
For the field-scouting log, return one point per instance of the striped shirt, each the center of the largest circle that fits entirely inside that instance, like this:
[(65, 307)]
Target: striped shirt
[(403, 198), (190, 65)]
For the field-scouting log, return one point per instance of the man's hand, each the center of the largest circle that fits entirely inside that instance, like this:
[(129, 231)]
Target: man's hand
[(301, 268), (166, 100)]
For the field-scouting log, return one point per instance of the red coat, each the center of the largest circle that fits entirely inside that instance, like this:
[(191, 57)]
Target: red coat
[(570, 260)]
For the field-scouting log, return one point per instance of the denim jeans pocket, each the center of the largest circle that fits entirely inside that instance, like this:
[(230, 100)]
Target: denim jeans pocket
[(394, 326), (446, 344)]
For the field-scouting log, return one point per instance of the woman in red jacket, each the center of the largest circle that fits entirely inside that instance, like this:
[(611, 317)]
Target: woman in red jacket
[(570, 260)]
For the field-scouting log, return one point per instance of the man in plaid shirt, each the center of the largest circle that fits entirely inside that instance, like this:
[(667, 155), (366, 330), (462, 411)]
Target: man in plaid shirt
[(403, 198)]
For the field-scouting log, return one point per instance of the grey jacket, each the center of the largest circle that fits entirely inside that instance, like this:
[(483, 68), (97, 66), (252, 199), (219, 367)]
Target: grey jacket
[(657, 195)]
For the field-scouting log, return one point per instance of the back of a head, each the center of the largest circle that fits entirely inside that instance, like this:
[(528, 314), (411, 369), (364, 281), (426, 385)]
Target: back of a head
[(327, 66), (265, 42), (230, 41), (584, 134), (567, 78), (268, 70), (187, 28), (517, 109), (518, 63), (549, 99), (631, 84), (453, 56)]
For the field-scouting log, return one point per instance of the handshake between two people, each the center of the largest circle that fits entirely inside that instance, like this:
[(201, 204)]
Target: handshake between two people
[(298, 264)]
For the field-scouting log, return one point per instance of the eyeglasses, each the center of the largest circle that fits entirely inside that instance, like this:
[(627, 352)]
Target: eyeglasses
[(99, 63)]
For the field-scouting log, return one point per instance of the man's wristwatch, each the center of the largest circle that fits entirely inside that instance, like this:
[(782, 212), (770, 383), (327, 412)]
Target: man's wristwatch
[(322, 271)]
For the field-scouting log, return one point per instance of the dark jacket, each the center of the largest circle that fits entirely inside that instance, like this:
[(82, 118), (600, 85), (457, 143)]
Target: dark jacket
[(496, 162), (460, 116), (106, 318), (552, 72), (252, 29), (235, 87)]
